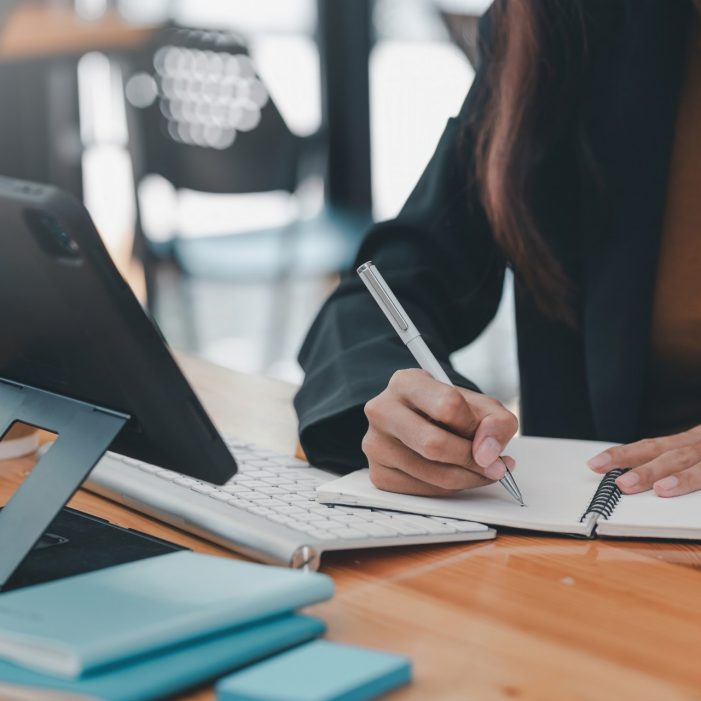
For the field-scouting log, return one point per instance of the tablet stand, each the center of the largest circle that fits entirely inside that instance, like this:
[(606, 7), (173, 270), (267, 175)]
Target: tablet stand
[(84, 431)]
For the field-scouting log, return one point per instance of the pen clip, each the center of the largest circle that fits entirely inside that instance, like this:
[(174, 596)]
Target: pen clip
[(368, 273), (391, 307)]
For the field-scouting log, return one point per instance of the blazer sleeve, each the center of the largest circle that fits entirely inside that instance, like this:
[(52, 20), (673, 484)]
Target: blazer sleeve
[(440, 259)]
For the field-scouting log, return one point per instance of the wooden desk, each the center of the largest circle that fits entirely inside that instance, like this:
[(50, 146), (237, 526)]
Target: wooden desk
[(521, 618), (31, 31)]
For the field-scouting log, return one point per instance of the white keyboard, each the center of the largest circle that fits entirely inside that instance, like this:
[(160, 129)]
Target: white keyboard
[(269, 509)]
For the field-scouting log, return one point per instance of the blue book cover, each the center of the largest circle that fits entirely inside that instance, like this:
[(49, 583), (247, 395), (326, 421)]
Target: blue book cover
[(170, 672), (318, 671), (80, 624)]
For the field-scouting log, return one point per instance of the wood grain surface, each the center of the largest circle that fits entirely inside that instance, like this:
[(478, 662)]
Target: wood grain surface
[(523, 617), (32, 30)]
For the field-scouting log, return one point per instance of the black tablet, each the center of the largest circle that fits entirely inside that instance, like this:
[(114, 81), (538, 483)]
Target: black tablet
[(76, 543), (69, 324)]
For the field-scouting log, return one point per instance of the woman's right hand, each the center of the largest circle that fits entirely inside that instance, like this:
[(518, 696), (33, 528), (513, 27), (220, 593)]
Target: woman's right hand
[(433, 439)]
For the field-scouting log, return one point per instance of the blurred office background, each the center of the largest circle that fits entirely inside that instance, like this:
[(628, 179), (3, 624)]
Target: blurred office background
[(232, 154)]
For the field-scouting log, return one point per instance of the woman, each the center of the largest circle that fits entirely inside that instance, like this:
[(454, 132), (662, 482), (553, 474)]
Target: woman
[(576, 160)]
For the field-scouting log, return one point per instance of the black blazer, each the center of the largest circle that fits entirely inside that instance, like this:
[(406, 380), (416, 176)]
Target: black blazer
[(440, 258)]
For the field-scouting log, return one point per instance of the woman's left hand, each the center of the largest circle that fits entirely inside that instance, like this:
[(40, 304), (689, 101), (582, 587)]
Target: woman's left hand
[(671, 465)]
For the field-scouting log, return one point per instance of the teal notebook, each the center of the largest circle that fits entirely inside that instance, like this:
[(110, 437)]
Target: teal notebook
[(80, 624), (318, 671), (168, 673)]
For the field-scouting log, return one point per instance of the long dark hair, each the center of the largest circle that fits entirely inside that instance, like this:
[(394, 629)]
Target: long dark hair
[(537, 62)]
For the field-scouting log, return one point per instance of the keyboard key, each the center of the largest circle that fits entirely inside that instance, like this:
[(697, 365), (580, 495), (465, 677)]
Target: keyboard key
[(335, 524), (265, 453), (261, 511), (256, 496), (276, 480), (257, 462), (382, 520), (291, 510), (277, 503), (287, 462), (465, 527), (307, 527), (320, 522), (322, 535), (240, 503), (235, 488), (267, 489), (339, 518), (347, 533), (260, 474), (374, 529), (145, 467), (294, 498), (251, 483), (235, 445), (316, 508), (395, 525), (345, 518), (355, 511), (307, 482), (292, 472), (202, 488), (281, 518), (166, 474)]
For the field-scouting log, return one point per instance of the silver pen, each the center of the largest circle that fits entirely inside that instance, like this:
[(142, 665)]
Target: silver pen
[(411, 337)]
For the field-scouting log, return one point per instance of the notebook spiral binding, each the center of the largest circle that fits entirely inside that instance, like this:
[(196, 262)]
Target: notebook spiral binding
[(606, 496)]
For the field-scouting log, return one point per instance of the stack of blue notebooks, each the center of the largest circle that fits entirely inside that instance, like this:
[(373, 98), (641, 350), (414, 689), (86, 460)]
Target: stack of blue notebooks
[(151, 628)]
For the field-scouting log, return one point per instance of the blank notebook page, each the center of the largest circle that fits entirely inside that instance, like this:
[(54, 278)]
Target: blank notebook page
[(556, 484), (646, 515)]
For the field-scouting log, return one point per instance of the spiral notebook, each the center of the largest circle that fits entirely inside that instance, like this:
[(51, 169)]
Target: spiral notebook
[(561, 493)]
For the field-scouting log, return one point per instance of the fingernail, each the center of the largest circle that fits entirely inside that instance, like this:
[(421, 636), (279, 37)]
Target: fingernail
[(488, 451), (495, 471), (599, 461), (670, 482), (629, 480), (509, 462)]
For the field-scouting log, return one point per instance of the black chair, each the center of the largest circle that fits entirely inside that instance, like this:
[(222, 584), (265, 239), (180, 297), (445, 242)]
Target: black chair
[(202, 119), (39, 124)]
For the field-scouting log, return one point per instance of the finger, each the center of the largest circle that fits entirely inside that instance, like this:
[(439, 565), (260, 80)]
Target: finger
[(497, 426), (392, 480), (424, 437), (683, 482), (641, 452), (442, 403), (642, 478), (392, 453)]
